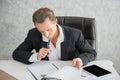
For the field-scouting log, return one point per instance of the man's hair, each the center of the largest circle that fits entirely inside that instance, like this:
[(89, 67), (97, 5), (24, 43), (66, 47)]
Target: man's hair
[(41, 14)]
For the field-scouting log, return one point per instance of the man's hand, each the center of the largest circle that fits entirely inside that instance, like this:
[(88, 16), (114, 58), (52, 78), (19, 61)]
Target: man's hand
[(77, 63), (43, 52)]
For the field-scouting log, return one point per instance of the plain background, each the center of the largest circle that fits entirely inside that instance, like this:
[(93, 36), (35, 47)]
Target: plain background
[(16, 20)]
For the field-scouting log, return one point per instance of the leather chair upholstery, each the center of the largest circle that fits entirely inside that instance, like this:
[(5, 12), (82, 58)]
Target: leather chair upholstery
[(86, 25)]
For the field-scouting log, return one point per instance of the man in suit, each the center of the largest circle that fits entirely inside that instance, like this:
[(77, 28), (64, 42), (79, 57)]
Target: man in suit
[(52, 41)]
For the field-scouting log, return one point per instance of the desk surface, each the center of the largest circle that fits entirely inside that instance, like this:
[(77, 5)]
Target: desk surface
[(20, 71)]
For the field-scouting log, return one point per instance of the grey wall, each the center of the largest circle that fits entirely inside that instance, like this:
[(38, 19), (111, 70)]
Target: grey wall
[(16, 20)]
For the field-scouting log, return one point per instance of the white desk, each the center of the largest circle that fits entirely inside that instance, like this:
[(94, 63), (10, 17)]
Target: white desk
[(20, 71)]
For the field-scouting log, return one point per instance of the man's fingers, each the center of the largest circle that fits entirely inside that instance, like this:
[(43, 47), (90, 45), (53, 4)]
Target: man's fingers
[(39, 57), (76, 63), (43, 52)]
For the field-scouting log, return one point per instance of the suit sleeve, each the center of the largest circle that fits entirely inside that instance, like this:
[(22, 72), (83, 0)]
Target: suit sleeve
[(23, 52), (86, 52)]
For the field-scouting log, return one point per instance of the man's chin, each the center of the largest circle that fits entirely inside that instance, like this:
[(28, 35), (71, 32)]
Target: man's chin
[(49, 38)]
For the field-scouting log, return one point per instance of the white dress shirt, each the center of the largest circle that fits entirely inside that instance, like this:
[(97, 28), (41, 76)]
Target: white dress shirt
[(55, 51)]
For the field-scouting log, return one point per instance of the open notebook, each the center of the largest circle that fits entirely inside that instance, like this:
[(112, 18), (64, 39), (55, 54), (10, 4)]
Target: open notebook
[(48, 70), (51, 70)]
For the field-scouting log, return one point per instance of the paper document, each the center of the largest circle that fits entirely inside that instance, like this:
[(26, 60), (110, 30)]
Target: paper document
[(41, 70), (51, 70), (67, 73), (71, 73)]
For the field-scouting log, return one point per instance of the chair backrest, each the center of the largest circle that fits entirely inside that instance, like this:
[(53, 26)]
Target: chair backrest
[(86, 25)]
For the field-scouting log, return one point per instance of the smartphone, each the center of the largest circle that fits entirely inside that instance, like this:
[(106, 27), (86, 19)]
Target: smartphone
[(96, 70)]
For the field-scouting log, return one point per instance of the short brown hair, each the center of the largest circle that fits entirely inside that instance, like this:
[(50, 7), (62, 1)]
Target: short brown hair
[(41, 14)]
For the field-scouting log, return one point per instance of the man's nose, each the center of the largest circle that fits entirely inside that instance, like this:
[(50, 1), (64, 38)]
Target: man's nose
[(46, 34)]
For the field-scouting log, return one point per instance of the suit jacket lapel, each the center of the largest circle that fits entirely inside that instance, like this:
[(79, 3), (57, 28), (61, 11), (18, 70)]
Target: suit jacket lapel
[(63, 51), (64, 47)]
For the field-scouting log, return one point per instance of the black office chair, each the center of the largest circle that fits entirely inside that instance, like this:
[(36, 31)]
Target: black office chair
[(86, 25)]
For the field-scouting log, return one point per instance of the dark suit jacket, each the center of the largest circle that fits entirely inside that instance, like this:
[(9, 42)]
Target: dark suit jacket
[(73, 46)]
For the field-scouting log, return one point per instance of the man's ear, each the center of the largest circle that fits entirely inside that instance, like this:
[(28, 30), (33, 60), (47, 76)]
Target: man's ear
[(56, 21)]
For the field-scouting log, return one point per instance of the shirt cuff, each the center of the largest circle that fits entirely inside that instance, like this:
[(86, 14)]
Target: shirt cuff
[(80, 60), (33, 58)]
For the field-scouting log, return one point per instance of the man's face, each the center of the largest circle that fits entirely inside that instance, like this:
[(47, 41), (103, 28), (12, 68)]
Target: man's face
[(47, 28)]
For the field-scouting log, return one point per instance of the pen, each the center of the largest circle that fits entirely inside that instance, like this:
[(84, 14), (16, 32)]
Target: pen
[(48, 44), (55, 66)]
